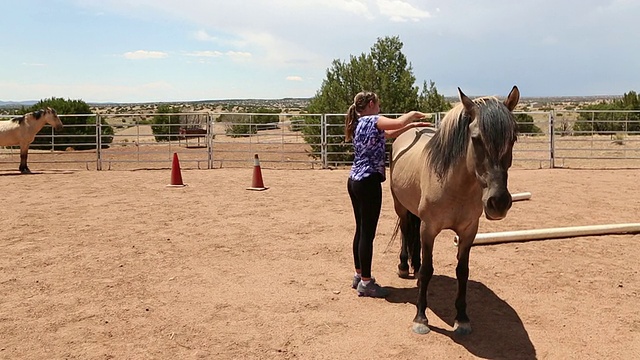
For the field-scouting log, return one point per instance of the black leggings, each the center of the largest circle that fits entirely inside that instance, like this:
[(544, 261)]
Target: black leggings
[(366, 198)]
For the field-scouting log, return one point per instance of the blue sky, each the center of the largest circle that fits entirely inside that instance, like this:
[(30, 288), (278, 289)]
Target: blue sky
[(166, 50)]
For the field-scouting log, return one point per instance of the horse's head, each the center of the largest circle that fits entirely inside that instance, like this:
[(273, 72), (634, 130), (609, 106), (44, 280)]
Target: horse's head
[(492, 129), (50, 117)]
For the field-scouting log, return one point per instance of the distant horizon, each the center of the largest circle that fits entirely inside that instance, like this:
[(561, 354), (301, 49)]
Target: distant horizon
[(6, 103)]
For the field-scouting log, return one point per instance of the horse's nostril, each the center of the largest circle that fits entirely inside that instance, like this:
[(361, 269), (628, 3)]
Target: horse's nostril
[(492, 202)]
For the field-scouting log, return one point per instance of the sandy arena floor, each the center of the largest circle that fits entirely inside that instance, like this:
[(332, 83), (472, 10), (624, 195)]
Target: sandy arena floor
[(114, 265)]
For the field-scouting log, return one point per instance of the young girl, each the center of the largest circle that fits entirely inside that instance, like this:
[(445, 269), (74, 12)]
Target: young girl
[(368, 130)]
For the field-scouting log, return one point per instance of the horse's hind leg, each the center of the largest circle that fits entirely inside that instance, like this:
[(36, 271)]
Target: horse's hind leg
[(410, 231), (414, 243), (24, 169), (403, 266)]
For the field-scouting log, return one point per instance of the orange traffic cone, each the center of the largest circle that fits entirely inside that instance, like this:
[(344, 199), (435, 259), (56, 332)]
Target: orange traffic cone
[(176, 175), (256, 182)]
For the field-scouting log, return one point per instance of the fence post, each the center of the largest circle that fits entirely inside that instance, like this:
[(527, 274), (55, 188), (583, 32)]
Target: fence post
[(552, 141), (98, 142), (53, 139), (210, 136), (323, 141)]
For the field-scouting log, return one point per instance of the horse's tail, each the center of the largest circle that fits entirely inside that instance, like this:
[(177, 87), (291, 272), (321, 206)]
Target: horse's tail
[(394, 235), (411, 235)]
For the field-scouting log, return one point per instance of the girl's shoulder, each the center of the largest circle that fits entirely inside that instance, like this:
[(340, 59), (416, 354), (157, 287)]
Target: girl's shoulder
[(368, 120)]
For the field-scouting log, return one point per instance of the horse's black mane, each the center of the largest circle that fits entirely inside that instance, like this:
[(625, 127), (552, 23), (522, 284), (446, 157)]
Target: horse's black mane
[(19, 119), (449, 143), (36, 114)]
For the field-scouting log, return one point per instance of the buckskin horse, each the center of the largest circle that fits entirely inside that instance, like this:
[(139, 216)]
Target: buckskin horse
[(22, 131), (445, 180)]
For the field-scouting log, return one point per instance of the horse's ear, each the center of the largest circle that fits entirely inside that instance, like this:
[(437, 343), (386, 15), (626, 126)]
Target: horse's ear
[(513, 98), (469, 105)]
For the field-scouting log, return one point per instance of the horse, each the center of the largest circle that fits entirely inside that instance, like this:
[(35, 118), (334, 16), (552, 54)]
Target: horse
[(445, 179), (22, 131)]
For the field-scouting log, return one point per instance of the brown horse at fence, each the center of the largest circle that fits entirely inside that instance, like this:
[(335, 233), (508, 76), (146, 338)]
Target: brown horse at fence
[(445, 180), (22, 131)]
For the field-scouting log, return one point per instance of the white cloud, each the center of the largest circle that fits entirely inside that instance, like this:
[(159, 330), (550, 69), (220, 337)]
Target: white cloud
[(144, 54), (274, 50), (34, 64), (294, 78), (401, 11), (202, 35), (239, 55), (357, 7), (207, 54)]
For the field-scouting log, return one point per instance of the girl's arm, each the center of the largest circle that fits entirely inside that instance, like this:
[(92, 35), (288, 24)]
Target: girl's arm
[(390, 134), (385, 123)]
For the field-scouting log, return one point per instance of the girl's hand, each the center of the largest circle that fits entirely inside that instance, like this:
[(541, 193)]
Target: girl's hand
[(417, 115)]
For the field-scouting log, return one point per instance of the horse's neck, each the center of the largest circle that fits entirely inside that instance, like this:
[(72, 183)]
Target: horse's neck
[(35, 124), (460, 180)]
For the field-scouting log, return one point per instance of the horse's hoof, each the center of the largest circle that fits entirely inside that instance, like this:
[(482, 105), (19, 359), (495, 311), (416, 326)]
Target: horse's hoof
[(421, 329), (462, 328), (403, 274)]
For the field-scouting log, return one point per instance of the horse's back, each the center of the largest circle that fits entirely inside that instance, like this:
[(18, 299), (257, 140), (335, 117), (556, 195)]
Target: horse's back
[(410, 144), (9, 133), (408, 158)]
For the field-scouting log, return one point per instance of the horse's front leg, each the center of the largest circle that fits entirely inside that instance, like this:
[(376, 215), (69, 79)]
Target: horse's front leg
[(462, 325), (24, 169), (420, 322)]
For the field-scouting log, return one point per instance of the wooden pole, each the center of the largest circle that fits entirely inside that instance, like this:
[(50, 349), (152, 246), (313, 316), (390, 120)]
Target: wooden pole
[(553, 233)]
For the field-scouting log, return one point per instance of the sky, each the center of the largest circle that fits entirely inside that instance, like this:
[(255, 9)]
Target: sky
[(190, 50)]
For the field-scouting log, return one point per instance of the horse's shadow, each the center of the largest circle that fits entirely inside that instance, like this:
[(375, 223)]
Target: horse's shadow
[(48, 172), (498, 332)]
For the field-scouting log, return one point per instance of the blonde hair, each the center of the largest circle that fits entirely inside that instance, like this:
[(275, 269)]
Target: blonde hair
[(360, 102)]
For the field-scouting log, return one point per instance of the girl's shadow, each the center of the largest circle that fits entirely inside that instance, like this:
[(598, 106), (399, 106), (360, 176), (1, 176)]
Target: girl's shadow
[(498, 332)]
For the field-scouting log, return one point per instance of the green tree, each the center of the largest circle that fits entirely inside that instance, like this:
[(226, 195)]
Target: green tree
[(265, 118), (246, 124), (603, 120), (238, 125), (165, 124), (385, 71), (630, 101), (526, 125), (395, 76), (79, 132), (430, 101)]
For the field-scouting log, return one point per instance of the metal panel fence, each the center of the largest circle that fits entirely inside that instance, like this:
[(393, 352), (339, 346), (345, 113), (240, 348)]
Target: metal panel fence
[(205, 140)]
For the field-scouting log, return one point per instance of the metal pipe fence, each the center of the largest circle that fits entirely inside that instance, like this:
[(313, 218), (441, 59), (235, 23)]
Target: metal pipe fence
[(206, 140)]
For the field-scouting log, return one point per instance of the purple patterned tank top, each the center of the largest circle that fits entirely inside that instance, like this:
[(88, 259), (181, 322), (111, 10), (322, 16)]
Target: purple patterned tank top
[(369, 149)]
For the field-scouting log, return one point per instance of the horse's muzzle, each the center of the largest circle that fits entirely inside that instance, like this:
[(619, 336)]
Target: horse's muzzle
[(59, 127), (497, 207)]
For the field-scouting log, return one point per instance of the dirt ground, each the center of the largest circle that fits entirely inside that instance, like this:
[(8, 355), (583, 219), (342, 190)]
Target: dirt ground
[(115, 265)]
